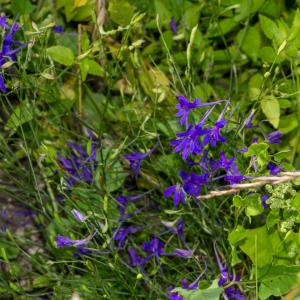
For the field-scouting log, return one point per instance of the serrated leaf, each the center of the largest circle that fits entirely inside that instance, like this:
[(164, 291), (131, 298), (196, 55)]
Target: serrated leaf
[(271, 108), (288, 123), (61, 54), (253, 205), (277, 280)]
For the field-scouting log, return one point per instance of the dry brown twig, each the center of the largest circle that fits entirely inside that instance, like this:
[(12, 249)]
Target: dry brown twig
[(257, 182)]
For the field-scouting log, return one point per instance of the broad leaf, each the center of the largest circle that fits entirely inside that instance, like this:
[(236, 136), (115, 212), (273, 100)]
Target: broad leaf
[(271, 108), (61, 54)]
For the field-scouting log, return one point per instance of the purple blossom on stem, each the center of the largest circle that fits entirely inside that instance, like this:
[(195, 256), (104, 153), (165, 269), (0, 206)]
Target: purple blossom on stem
[(135, 159), (64, 241), (274, 170), (154, 247), (78, 215), (183, 253), (121, 234), (225, 278), (175, 296), (178, 193), (213, 135), (264, 198), (274, 137), (248, 123), (173, 25), (193, 183), (188, 141), (57, 28), (136, 260), (184, 107)]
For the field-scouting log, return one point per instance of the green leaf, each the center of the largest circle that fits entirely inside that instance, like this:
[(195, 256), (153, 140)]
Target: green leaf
[(237, 201), (191, 15), (271, 108), (253, 205), (257, 246), (296, 205), (237, 235), (273, 218), (121, 12), (114, 177), (61, 54), (268, 27), (223, 27), (295, 27), (89, 66), (288, 123), (277, 280), (260, 151), (267, 54), (251, 42), (21, 7), (212, 293), (163, 11), (21, 114)]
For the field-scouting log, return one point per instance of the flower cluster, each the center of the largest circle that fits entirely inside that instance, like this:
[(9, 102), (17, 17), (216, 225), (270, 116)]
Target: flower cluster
[(10, 47), (79, 166)]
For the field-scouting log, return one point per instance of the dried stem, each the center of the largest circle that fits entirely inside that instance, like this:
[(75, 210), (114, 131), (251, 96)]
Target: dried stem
[(259, 181)]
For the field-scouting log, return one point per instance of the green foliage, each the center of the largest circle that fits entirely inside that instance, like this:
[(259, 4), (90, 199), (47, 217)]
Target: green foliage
[(61, 54)]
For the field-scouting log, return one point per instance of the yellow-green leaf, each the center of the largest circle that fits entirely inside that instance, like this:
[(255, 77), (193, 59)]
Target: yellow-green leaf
[(271, 108), (61, 54)]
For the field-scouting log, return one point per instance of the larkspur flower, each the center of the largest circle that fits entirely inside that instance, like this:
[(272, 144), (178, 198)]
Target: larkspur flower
[(135, 159), (248, 122), (136, 260), (193, 183), (175, 296), (234, 179), (225, 279), (274, 137), (264, 198), (183, 253), (213, 135), (120, 235), (78, 215), (173, 25), (154, 247), (274, 170), (178, 193), (80, 165), (64, 241), (188, 141), (184, 107), (10, 47), (57, 28)]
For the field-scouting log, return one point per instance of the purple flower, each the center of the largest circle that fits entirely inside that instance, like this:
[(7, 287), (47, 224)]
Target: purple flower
[(3, 22), (225, 279), (153, 247), (121, 234), (2, 84), (79, 166), (213, 135), (57, 28), (135, 159), (188, 141), (184, 107), (136, 260), (175, 296), (78, 215), (64, 241), (248, 122), (234, 179), (173, 25), (183, 253), (264, 198), (274, 170), (178, 192), (274, 137), (193, 183)]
